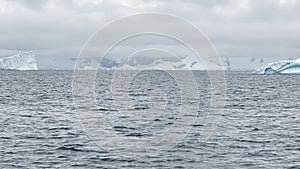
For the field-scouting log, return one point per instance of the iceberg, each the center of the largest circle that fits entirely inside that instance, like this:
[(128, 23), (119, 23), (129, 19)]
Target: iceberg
[(22, 61), (281, 67)]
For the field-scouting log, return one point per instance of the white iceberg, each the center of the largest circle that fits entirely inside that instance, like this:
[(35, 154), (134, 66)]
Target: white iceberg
[(281, 67), (22, 61)]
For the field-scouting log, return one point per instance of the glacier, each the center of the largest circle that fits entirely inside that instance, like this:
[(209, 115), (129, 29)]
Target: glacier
[(281, 67), (21, 61)]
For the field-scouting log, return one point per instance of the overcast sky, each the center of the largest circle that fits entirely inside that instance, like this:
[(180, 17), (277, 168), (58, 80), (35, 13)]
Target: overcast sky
[(245, 31)]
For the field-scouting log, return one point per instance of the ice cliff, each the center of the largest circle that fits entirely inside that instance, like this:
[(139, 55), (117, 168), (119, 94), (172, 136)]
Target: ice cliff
[(22, 61)]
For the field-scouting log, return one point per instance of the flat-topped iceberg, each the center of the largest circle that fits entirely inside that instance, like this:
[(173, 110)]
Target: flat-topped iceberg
[(22, 61), (281, 67)]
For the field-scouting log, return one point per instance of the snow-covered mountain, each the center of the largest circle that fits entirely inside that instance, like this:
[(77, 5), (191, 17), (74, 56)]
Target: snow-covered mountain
[(22, 61), (164, 62), (281, 67), (142, 62)]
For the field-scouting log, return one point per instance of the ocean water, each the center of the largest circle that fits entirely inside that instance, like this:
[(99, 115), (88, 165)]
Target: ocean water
[(259, 126)]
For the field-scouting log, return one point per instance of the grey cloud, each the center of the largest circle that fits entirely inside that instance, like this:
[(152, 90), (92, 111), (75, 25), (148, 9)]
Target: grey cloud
[(31, 4)]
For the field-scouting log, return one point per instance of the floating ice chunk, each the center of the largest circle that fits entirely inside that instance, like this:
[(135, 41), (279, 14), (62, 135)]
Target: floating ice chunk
[(281, 67), (22, 61)]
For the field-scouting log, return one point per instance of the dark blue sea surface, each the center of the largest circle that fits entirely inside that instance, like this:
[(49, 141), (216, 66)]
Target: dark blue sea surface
[(259, 125)]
